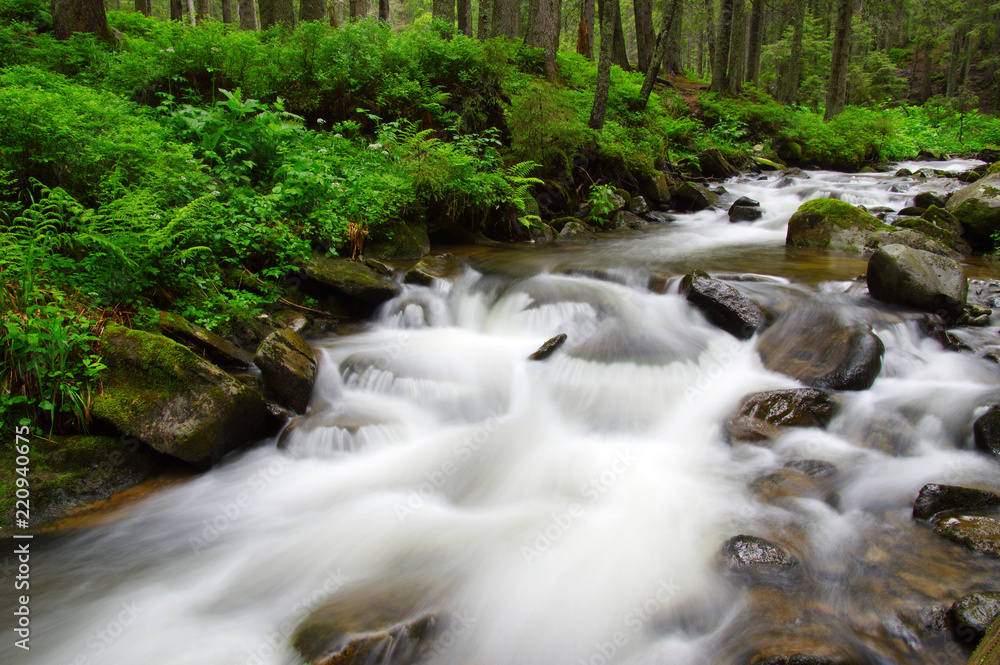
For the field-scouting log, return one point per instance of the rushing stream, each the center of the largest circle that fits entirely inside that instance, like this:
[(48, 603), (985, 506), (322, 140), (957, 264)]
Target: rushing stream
[(569, 511)]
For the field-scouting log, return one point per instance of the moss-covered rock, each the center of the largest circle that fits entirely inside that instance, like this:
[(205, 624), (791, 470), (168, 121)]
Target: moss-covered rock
[(655, 188), (398, 241), (977, 208), (576, 232), (693, 196), (713, 164), (215, 349), (429, 268), (352, 281), (912, 278), (288, 365), (70, 471), (935, 233), (162, 393)]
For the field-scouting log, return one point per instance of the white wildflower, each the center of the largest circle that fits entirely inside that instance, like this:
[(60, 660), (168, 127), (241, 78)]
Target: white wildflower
[(170, 49), (320, 121), (322, 151), (385, 152), (374, 146), (214, 192), (338, 136), (215, 48)]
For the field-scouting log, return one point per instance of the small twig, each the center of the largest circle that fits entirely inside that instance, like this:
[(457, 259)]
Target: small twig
[(310, 309)]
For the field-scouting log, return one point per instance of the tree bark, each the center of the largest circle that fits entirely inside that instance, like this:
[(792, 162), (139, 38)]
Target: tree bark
[(70, 16), (248, 15), (176, 10), (710, 34), (645, 40), (227, 11), (312, 10), (587, 17), (275, 12), (608, 10), (954, 51), (756, 39), (619, 53), (720, 64), (201, 11), (145, 7), (192, 14), (925, 82), (485, 15), (464, 10), (673, 61), (662, 39), (836, 93), (543, 32), (506, 20), (737, 49), (789, 85)]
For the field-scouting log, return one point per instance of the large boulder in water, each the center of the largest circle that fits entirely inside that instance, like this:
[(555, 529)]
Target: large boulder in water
[(840, 226), (814, 347), (288, 365), (713, 164), (764, 415), (722, 304), (986, 432), (977, 533), (352, 281), (903, 276), (974, 613), (178, 404), (693, 196), (977, 208), (934, 499)]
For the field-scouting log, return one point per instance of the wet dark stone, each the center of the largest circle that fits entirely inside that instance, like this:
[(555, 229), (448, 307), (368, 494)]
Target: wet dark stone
[(815, 348), (976, 533), (902, 173), (928, 199), (722, 304), (802, 659), (974, 613), (914, 278), (934, 499), (744, 213), (714, 165), (762, 415), (746, 201), (548, 348), (812, 468), (986, 432), (756, 560), (911, 211), (693, 196), (429, 268)]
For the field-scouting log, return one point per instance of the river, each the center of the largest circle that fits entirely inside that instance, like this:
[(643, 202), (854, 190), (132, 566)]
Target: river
[(567, 511)]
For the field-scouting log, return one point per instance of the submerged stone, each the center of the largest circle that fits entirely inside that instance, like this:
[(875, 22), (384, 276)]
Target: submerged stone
[(722, 304)]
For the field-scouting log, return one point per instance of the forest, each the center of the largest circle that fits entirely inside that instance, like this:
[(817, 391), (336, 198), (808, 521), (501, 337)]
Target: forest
[(187, 157)]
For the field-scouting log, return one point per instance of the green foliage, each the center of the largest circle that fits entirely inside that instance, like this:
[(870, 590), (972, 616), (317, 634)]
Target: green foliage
[(546, 125), (601, 203)]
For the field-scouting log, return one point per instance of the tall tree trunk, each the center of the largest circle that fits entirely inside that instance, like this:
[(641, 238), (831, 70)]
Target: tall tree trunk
[(312, 10), (201, 11), (353, 10), (720, 66), (383, 12), (673, 60), (587, 20), (227, 11), (609, 11), (789, 85), (737, 49), (836, 93), (176, 10), (669, 17), (248, 15), (506, 21), (954, 57), (464, 15), (543, 32), (191, 12), (619, 53), (710, 34), (485, 16), (145, 7), (925, 76), (645, 40), (444, 11), (756, 39), (69, 16), (275, 12)]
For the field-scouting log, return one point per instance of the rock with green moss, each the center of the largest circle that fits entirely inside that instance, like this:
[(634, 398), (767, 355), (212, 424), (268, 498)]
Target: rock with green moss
[(178, 404), (429, 268), (71, 471), (398, 241), (348, 279), (693, 196), (288, 365), (713, 164), (767, 164), (905, 276), (215, 349), (834, 224), (977, 208), (942, 236), (576, 232), (655, 188)]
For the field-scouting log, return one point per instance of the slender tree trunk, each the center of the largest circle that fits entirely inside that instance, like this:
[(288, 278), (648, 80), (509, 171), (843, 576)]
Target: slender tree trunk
[(954, 57), (192, 14), (145, 7), (464, 15), (645, 40), (710, 34), (312, 10), (87, 16), (836, 94), (662, 39), (737, 49), (619, 53), (176, 10), (227, 11), (485, 14), (274, 12), (925, 82), (543, 32), (756, 39), (720, 66), (353, 10), (673, 60), (609, 11), (789, 85), (587, 12), (248, 15), (201, 11)]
